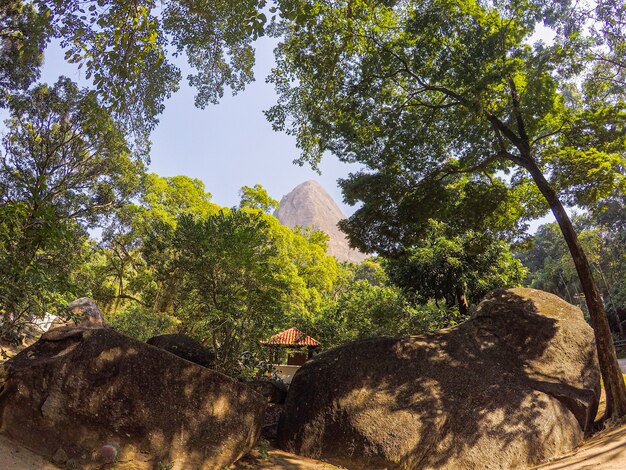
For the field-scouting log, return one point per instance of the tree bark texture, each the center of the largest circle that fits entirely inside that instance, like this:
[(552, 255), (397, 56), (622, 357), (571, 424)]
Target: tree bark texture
[(609, 367), (461, 300)]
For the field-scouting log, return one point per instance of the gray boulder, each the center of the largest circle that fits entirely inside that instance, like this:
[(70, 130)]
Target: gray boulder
[(310, 205), (186, 347), (81, 312), (515, 385), (91, 395)]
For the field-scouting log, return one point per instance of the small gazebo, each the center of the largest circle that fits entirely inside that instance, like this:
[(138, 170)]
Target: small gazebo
[(298, 346)]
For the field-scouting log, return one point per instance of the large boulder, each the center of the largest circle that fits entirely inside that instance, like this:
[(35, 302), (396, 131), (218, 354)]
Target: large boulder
[(186, 347), (273, 391), (515, 385), (81, 312), (90, 396), (88, 312)]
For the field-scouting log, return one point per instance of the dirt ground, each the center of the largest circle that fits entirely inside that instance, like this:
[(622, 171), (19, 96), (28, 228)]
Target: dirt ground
[(279, 460), (604, 450), (15, 457)]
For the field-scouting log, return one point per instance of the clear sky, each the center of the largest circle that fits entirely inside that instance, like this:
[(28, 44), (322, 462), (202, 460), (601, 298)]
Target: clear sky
[(226, 145)]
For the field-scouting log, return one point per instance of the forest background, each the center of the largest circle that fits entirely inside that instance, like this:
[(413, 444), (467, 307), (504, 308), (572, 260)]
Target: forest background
[(75, 162)]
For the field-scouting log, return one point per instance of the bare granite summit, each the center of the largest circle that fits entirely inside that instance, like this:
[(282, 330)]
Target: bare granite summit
[(310, 205)]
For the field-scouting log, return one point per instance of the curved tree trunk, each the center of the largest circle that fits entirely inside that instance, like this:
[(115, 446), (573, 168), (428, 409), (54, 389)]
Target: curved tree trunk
[(609, 367)]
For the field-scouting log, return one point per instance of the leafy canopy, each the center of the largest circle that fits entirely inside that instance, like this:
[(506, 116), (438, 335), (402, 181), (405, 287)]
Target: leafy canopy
[(257, 198), (128, 50), (64, 167), (426, 91)]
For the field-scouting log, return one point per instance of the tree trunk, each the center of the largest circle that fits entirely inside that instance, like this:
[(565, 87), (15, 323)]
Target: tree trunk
[(620, 327), (609, 367), (461, 300)]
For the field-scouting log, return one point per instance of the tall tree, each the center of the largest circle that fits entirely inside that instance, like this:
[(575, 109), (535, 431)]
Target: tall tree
[(23, 34), (417, 91), (551, 267), (124, 274), (64, 167), (459, 269), (257, 198), (608, 19)]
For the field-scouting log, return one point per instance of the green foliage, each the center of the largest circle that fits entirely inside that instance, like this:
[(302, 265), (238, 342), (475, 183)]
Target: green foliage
[(141, 323), (37, 260), (164, 199), (365, 304), (23, 34), (231, 284), (455, 268), (602, 235), (123, 274), (608, 77), (64, 167), (434, 96), (228, 277), (448, 106), (586, 176), (127, 50), (231, 277), (257, 198), (366, 310), (62, 150)]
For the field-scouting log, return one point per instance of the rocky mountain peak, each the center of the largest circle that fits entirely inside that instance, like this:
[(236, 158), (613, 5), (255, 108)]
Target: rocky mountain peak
[(310, 205)]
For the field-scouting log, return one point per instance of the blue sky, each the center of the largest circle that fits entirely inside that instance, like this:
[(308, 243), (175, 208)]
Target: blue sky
[(226, 145)]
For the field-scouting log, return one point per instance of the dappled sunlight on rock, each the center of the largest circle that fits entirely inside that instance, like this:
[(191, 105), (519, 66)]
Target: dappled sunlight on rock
[(517, 384), (111, 391)]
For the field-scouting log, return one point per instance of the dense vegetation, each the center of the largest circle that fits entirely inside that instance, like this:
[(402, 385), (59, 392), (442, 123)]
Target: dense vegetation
[(603, 234), (458, 112), (467, 127), (171, 260)]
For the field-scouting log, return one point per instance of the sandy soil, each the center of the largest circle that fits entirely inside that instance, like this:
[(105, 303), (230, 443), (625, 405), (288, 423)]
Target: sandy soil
[(279, 460), (604, 450), (14, 457)]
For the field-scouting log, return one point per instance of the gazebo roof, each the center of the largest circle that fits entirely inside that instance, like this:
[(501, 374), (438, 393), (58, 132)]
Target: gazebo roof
[(291, 337)]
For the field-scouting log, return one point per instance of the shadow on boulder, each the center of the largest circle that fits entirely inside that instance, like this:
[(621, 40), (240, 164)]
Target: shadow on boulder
[(86, 394), (186, 347), (513, 386)]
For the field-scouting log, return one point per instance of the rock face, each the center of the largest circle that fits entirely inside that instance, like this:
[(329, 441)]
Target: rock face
[(77, 392), (185, 347), (91, 316), (272, 391), (309, 205), (515, 385), (82, 312)]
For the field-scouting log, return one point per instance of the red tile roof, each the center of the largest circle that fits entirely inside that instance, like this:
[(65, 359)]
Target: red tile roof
[(292, 337)]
